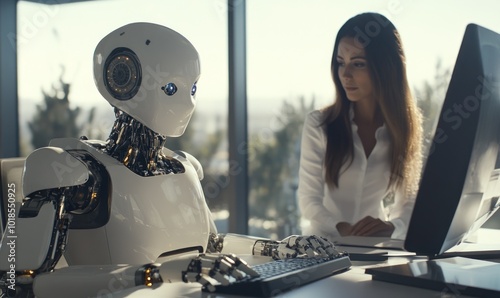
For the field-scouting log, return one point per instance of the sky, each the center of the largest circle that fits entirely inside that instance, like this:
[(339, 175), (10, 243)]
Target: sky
[(289, 43)]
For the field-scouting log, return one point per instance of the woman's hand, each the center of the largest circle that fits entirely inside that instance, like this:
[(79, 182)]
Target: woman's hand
[(344, 228), (367, 226)]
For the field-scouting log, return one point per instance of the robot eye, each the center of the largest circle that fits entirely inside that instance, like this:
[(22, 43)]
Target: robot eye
[(169, 89), (193, 89), (122, 74)]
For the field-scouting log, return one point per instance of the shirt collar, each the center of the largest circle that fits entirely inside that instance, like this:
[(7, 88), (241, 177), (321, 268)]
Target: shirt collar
[(381, 130)]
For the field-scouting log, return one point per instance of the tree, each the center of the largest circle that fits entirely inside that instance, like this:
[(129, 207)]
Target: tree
[(54, 118), (273, 168), (430, 97)]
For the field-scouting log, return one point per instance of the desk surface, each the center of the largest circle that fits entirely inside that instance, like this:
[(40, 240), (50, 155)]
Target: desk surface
[(353, 283)]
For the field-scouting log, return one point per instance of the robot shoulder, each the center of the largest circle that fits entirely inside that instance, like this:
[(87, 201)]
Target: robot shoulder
[(189, 158), (196, 164), (52, 167)]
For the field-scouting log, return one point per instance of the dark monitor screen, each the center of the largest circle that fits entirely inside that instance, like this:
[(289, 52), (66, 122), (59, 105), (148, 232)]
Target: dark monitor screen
[(459, 187)]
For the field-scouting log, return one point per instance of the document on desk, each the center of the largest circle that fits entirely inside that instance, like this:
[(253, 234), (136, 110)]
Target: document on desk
[(370, 242)]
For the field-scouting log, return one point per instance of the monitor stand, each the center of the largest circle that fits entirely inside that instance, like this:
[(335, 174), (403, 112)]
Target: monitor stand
[(474, 250)]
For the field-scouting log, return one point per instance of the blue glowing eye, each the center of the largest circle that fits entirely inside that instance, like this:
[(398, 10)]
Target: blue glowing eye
[(193, 89), (169, 89)]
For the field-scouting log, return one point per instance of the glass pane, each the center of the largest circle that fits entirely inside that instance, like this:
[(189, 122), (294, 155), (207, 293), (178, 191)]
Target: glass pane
[(289, 48), (55, 49)]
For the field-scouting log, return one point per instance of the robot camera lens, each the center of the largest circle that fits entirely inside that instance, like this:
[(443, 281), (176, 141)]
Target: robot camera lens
[(193, 89), (169, 89), (122, 74)]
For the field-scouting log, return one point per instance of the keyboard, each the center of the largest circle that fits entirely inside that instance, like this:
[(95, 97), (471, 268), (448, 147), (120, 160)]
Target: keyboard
[(276, 277)]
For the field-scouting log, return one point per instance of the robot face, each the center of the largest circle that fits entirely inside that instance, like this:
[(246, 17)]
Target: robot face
[(149, 72)]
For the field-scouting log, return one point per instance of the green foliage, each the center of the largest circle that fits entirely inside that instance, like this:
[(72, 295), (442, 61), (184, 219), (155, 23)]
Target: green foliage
[(274, 164), (430, 97), (54, 118)]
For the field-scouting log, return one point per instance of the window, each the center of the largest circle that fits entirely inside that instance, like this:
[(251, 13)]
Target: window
[(289, 46), (288, 75), (55, 51)]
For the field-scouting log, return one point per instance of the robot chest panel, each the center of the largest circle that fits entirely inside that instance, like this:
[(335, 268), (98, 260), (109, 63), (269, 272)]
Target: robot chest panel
[(154, 215)]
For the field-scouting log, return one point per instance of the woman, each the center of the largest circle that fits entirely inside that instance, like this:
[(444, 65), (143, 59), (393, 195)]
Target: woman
[(363, 152)]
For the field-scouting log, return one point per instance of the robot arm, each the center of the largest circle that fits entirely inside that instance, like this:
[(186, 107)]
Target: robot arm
[(207, 269), (52, 167), (290, 247), (48, 171), (105, 280), (55, 184)]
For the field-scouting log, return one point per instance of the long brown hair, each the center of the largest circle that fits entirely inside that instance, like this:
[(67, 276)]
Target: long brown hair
[(387, 66)]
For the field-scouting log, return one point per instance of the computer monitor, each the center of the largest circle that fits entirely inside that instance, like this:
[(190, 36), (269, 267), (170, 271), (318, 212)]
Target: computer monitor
[(459, 187)]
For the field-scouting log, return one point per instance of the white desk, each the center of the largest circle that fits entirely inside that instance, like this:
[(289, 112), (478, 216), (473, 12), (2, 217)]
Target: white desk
[(353, 283)]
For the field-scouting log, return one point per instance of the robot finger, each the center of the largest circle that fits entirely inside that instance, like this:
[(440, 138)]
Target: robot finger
[(328, 246), (318, 246), (314, 242), (324, 242), (309, 251), (291, 241), (225, 264), (286, 253), (220, 277), (206, 284), (191, 276), (207, 262), (247, 270), (235, 267), (302, 242), (331, 251), (239, 275), (304, 246), (322, 252), (241, 265)]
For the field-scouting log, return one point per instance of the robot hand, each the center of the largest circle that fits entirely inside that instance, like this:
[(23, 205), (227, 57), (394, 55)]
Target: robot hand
[(295, 246), (211, 269), (312, 246)]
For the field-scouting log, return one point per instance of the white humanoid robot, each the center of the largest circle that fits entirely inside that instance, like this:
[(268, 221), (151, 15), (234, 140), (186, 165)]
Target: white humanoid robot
[(129, 207)]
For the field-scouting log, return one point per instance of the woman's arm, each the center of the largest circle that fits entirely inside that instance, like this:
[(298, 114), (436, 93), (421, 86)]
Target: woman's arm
[(310, 192), (401, 214)]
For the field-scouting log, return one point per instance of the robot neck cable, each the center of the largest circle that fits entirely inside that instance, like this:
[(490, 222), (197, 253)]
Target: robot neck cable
[(139, 148)]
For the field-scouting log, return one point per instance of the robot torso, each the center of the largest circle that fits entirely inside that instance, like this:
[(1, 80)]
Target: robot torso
[(149, 216)]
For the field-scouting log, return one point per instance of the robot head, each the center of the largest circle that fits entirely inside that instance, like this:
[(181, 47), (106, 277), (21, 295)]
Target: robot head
[(149, 72)]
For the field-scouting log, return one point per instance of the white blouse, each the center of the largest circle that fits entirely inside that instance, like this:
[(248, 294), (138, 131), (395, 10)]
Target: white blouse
[(362, 185)]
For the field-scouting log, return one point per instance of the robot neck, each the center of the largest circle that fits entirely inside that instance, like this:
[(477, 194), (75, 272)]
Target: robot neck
[(139, 148)]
